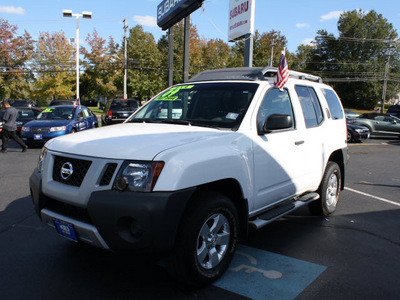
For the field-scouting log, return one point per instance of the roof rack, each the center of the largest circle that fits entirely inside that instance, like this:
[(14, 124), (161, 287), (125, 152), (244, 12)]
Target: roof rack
[(254, 73)]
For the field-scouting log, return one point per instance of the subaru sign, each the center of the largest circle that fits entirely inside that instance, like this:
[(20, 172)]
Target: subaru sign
[(170, 12)]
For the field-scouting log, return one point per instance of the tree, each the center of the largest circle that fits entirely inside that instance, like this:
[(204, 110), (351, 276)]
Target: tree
[(302, 57), (102, 67), (196, 46), (54, 67), (355, 61), (262, 44), (15, 53), (215, 54), (145, 76)]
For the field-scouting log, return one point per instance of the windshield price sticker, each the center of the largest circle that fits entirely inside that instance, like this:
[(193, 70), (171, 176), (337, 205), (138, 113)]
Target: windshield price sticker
[(170, 95), (49, 109)]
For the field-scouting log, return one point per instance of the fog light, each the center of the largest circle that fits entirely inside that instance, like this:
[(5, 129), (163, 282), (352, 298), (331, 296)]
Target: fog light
[(121, 183)]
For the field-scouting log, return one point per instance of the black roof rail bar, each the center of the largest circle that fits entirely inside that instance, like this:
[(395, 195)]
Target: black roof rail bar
[(245, 73)]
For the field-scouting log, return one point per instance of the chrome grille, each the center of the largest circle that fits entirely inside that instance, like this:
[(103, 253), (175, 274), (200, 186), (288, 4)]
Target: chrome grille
[(79, 170), (39, 129)]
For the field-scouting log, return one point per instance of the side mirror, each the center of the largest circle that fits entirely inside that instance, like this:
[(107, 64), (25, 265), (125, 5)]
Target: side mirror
[(276, 122)]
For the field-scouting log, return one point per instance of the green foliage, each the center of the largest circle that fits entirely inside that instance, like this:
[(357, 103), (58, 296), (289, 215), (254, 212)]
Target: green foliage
[(355, 62), (54, 64), (15, 53), (103, 67), (145, 78)]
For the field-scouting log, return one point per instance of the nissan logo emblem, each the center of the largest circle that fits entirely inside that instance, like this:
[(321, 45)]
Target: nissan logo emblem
[(66, 170)]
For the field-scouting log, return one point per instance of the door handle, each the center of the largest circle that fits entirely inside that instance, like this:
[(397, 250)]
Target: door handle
[(298, 143)]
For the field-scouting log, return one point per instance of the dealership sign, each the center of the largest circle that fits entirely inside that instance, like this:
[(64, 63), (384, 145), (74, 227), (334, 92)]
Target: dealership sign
[(170, 12), (241, 19)]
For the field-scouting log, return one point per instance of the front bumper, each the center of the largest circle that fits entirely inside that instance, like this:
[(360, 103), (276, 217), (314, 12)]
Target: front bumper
[(31, 138), (135, 221)]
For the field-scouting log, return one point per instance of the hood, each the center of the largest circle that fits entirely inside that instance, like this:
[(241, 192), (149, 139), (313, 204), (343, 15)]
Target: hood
[(135, 141), (48, 123)]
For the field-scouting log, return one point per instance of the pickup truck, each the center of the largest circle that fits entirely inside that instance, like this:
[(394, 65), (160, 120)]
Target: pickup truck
[(195, 169)]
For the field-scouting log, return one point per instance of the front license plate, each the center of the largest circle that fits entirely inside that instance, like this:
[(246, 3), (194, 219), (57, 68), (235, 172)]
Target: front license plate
[(38, 137), (65, 229)]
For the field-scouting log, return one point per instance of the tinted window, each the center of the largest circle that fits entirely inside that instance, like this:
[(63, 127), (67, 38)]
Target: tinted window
[(124, 104), (26, 113), (334, 104), (274, 102), (310, 105)]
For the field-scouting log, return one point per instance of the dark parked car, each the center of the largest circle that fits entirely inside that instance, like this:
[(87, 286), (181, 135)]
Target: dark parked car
[(58, 120), (25, 114), (394, 110), (22, 103), (61, 102), (379, 124), (357, 133), (118, 110)]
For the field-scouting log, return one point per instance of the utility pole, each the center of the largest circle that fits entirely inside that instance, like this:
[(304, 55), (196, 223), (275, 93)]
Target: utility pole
[(387, 73), (125, 59), (272, 53), (385, 81)]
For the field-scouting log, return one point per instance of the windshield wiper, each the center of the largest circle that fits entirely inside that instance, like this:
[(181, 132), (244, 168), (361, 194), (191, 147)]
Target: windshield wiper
[(175, 121), (142, 121)]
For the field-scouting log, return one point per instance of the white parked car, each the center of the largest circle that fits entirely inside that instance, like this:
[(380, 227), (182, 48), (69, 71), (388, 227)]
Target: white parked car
[(240, 154)]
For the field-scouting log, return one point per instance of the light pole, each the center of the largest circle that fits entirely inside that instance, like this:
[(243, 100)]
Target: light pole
[(86, 15)]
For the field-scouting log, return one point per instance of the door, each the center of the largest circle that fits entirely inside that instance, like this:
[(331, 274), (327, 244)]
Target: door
[(279, 163)]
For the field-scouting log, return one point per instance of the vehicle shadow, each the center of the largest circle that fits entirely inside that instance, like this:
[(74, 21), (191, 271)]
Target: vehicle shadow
[(36, 263)]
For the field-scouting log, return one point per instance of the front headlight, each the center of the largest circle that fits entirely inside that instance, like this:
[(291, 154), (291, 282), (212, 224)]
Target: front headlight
[(41, 159), (59, 128), (25, 129), (138, 176)]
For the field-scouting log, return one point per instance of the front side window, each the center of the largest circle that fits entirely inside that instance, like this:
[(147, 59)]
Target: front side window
[(221, 105), (274, 102), (310, 105)]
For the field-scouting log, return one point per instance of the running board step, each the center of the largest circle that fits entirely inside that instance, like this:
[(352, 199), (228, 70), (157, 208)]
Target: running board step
[(308, 197), (282, 210)]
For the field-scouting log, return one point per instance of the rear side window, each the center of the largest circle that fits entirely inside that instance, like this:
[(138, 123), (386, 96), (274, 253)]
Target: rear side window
[(334, 104), (310, 105)]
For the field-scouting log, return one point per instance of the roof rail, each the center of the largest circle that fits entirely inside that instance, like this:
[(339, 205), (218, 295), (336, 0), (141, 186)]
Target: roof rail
[(254, 73)]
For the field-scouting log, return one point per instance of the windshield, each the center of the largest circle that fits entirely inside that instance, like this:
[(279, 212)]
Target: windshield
[(57, 113), (221, 105)]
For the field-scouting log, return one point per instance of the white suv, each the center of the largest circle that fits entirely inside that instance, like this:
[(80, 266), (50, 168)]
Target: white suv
[(239, 154)]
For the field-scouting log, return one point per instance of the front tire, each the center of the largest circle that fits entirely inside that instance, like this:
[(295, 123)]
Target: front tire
[(206, 241), (349, 136), (329, 191)]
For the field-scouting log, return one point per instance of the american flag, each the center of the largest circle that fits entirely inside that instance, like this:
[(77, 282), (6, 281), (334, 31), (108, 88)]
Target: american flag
[(282, 75), (77, 102)]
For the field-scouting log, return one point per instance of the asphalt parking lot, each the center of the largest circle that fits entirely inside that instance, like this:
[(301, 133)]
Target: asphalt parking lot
[(352, 254)]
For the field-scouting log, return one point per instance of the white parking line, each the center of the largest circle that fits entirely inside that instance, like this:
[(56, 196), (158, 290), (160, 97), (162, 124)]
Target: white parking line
[(372, 196)]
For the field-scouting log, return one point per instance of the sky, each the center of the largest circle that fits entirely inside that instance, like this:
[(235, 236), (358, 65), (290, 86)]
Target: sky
[(298, 20)]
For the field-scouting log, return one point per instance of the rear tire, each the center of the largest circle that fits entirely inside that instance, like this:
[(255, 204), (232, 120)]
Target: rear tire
[(329, 191), (206, 241)]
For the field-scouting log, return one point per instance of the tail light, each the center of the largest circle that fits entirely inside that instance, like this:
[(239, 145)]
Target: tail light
[(110, 114)]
